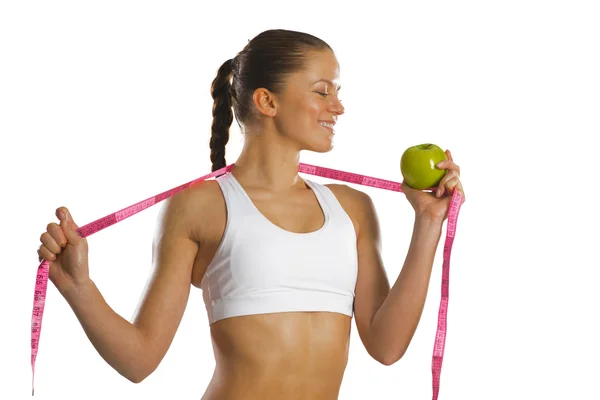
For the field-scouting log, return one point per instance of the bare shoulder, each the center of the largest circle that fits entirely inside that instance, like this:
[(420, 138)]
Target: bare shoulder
[(192, 208), (357, 204), (181, 219), (349, 196)]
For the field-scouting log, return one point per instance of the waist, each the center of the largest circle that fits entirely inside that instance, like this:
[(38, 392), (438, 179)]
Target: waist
[(301, 354)]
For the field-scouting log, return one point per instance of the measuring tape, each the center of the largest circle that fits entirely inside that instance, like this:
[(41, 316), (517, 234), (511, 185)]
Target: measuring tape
[(41, 282)]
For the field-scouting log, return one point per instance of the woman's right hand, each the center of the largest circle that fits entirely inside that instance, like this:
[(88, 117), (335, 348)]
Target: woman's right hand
[(66, 251)]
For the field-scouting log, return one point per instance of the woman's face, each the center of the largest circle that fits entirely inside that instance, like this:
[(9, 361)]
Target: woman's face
[(309, 105)]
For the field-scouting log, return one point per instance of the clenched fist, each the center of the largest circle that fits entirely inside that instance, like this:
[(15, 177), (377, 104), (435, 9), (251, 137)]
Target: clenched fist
[(66, 251)]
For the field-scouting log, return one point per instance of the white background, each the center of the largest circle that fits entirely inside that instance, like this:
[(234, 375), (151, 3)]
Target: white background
[(106, 104)]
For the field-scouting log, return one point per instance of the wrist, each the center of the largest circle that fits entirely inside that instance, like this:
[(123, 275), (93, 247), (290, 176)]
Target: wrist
[(427, 230), (78, 291), (428, 221)]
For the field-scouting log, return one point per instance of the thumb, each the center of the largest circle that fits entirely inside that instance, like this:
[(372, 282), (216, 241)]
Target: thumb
[(406, 188), (68, 226)]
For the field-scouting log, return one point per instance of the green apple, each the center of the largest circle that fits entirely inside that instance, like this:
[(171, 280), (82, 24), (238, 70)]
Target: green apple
[(418, 166)]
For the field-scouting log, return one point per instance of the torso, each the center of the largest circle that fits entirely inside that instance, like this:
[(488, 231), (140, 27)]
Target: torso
[(294, 355)]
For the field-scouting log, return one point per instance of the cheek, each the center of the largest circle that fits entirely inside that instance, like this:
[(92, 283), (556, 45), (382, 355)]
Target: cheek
[(305, 114), (312, 111), (300, 116)]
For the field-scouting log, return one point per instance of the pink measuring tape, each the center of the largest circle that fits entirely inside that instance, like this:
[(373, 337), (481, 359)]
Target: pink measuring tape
[(41, 283)]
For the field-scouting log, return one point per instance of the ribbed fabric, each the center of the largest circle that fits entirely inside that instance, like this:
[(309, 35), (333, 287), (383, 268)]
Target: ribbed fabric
[(261, 268)]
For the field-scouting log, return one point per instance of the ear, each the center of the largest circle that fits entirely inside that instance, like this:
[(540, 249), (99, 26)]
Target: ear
[(265, 102)]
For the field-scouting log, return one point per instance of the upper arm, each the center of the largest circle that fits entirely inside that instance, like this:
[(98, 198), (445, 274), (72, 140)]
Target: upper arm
[(372, 286), (167, 290)]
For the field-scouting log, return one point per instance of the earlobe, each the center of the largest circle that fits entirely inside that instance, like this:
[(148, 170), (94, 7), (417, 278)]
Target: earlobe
[(265, 102)]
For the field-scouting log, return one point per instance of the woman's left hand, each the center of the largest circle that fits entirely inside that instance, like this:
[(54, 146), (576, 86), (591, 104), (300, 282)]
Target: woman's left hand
[(435, 204)]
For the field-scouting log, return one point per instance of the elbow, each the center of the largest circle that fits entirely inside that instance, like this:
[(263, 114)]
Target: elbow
[(135, 377), (390, 358), (143, 364), (138, 375), (385, 355), (389, 361), (386, 352), (138, 378)]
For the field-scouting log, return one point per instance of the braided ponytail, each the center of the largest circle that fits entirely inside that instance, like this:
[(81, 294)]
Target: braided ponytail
[(222, 115), (265, 62)]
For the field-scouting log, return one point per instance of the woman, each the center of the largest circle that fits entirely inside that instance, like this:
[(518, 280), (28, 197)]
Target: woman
[(283, 262)]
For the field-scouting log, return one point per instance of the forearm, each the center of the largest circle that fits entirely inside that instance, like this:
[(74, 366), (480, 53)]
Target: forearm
[(396, 321), (119, 343)]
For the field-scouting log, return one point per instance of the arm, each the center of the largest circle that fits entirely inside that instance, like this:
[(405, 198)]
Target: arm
[(387, 318), (135, 349), (396, 321)]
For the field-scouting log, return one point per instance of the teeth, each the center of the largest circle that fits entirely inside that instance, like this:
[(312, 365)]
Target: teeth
[(326, 124)]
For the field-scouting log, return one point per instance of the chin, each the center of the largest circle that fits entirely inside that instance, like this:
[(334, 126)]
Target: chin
[(318, 142), (323, 147)]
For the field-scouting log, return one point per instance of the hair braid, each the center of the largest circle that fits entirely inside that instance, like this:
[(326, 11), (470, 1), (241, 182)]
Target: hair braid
[(265, 62), (222, 115)]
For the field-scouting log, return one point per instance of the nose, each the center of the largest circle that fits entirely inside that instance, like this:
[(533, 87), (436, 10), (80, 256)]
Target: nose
[(336, 106)]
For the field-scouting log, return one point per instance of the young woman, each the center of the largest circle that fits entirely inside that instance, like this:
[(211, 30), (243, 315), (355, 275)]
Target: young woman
[(283, 262)]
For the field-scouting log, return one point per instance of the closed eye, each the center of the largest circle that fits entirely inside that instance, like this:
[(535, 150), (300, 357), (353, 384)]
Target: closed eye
[(323, 94)]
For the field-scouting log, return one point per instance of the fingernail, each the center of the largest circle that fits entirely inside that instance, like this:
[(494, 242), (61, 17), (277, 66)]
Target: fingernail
[(440, 164)]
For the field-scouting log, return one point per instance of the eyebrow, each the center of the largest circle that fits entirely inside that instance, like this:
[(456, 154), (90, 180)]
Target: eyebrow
[(338, 88)]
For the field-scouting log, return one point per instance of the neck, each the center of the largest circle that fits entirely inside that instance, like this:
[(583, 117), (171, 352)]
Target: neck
[(269, 161)]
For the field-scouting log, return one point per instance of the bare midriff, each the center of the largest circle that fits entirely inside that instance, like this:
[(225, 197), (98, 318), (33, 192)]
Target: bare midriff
[(276, 356), (296, 355)]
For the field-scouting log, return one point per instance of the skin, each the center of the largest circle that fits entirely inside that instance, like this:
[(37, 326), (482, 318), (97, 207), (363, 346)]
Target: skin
[(296, 355)]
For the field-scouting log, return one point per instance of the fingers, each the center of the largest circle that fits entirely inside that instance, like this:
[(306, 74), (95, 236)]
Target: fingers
[(445, 183), (53, 240), (462, 192), (67, 225), (450, 186), (45, 254), (449, 165), (451, 179), (58, 236)]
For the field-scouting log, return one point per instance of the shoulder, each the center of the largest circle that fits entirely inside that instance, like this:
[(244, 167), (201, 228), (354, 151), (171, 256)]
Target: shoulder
[(191, 210), (348, 194), (357, 204), (203, 192)]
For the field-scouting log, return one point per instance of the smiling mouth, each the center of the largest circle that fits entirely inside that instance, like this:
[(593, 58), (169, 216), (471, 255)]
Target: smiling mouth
[(328, 125)]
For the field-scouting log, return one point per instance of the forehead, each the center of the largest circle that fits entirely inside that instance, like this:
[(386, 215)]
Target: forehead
[(320, 66)]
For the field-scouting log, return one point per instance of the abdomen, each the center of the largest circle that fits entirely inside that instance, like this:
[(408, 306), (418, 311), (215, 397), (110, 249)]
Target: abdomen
[(299, 355)]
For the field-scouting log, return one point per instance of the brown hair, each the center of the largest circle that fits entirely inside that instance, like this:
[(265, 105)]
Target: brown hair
[(265, 62)]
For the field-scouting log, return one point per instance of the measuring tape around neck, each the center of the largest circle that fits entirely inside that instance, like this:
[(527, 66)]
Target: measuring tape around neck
[(41, 283)]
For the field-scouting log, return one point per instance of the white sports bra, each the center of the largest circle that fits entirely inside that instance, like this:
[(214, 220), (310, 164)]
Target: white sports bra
[(260, 268)]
